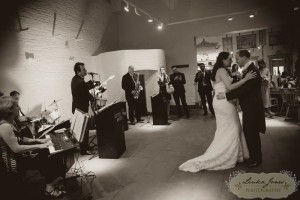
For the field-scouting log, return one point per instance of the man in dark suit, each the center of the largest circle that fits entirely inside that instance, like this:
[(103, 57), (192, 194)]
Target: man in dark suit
[(250, 99), (128, 85), (204, 88), (177, 79), (81, 98)]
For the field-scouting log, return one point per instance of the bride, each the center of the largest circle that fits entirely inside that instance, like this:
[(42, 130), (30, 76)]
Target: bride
[(228, 146)]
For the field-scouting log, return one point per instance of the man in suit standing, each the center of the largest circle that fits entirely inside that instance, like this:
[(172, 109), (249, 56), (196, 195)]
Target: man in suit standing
[(204, 88), (81, 98), (129, 85), (251, 102), (177, 79)]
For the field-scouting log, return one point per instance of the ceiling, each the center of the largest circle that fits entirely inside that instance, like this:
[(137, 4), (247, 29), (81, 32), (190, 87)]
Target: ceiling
[(174, 11)]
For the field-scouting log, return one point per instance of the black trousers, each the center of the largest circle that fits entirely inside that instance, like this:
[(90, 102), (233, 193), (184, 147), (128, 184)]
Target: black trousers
[(134, 109), (181, 96), (254, 144), (206, 94), (49, 167)]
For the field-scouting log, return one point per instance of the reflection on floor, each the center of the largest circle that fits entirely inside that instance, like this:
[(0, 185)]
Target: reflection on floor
[(148, 169)]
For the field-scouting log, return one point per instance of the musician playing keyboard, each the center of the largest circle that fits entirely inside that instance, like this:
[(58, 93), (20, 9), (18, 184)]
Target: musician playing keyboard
[(14, 150)]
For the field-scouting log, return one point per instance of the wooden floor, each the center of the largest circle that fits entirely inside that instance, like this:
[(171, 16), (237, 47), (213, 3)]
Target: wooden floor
[(148, 170)]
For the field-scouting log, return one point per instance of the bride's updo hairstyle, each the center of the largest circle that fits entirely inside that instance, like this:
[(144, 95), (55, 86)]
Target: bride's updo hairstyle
[(219, 64)]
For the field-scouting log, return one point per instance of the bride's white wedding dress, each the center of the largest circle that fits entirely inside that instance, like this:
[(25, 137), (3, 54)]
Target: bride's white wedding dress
[(228, 146)]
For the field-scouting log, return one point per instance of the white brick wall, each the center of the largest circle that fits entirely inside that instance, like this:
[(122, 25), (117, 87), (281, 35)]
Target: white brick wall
[(48, 76), (116, 63)]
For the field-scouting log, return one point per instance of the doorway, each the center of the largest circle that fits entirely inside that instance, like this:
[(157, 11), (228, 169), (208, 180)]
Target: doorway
[(279, 64)]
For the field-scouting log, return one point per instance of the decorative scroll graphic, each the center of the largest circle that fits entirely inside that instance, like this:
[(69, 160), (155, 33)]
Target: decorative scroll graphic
[(262, 185), (246, 41)]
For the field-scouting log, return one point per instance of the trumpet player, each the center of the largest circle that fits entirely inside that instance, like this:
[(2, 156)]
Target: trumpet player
[(132, 88)]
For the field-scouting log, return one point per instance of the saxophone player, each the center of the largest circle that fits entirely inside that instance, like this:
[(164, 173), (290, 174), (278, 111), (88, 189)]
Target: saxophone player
[(132, 88)]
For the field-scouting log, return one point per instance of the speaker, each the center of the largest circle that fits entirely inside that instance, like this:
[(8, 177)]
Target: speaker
[(159, 109), (110, 131)]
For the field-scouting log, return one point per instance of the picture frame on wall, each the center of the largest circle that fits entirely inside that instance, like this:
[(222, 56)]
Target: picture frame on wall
[(227, 44), (262, 37), (246, 41), (276, 38)]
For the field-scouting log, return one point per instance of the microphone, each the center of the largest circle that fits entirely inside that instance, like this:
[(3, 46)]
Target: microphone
[(92, 73)]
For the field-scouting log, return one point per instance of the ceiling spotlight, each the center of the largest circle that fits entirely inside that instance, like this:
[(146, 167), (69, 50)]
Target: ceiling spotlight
[(137, 12), (251, 15), (126, 8), (160, 27), (230, 18), (296, 8), (150, 20)]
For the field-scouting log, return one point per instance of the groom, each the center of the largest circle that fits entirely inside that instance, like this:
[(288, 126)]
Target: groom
[(250, 99)]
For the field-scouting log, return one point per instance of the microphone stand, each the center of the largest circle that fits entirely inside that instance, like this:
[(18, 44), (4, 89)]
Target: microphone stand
[(93, 123)]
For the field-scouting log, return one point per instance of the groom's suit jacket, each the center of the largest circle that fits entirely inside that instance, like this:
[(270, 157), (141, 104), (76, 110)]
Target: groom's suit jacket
[(250, 99)]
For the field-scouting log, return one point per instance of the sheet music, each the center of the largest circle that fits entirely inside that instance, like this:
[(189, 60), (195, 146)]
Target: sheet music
[(78, 125)]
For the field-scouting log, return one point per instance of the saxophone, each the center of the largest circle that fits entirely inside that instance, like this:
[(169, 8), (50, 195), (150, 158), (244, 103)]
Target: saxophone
[(138, 87)]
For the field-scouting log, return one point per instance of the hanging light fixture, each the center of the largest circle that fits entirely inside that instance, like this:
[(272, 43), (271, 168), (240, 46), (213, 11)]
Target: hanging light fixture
[(126, 8), (230, 18), (139, 12), (160, 26), (150, 20)]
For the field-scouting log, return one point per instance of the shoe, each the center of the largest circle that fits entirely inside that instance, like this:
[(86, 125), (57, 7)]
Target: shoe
[(252, 164), (205, 112), (132, 123), (55, 194), (140, 120)]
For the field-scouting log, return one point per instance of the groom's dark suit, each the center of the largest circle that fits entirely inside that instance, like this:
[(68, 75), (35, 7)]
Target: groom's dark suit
[(250, 99)]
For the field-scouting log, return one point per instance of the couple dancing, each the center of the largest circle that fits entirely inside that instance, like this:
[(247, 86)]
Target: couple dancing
[(231, 144)]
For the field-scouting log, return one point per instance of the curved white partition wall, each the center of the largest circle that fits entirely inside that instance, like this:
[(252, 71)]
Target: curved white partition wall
[(116, 63)]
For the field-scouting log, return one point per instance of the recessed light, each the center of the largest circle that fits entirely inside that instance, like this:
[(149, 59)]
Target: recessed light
[(251, 15), (160, 27)]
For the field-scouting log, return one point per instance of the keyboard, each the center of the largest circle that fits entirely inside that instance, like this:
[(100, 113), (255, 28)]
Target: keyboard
[(61, 142)]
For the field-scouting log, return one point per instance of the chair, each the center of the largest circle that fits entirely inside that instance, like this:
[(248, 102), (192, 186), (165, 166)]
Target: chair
[(92, 137), (274, 103), (292, 103)]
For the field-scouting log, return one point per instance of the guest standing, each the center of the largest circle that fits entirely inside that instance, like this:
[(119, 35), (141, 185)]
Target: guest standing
[(235, 74), (265, 86), (177, 79), (204, 88)]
